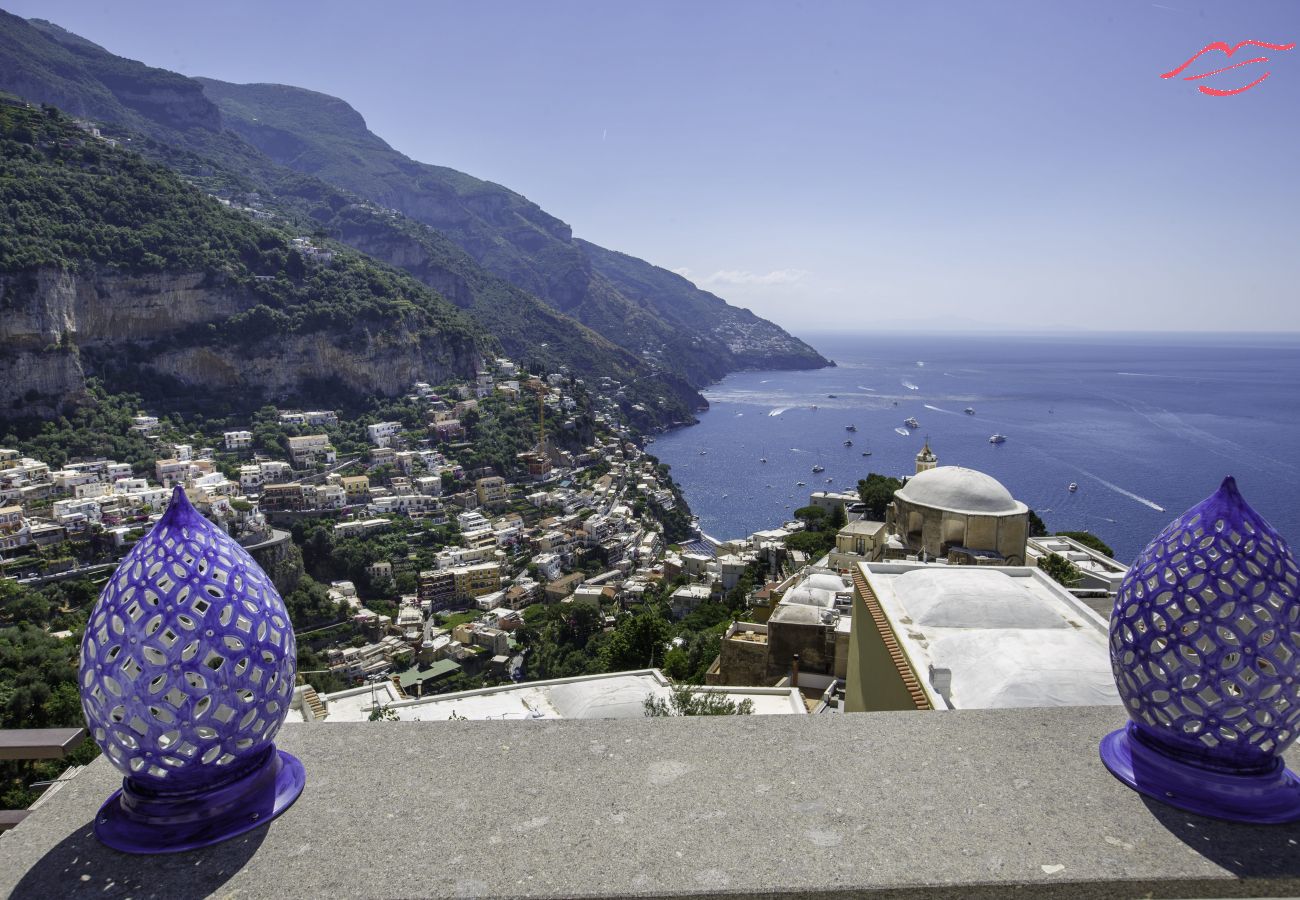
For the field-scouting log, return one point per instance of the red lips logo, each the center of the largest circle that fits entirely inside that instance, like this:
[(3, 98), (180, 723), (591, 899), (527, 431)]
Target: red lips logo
[(1228, 51)]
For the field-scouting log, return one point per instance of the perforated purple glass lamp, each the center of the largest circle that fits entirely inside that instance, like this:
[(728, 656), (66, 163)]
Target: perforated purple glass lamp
[(1205, 646), (187, 671)]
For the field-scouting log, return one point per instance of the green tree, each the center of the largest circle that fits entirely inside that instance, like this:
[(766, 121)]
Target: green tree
[(838, 518), (686, 700), (1036, 526), (1060, 569), (636, 641), (877, 492)]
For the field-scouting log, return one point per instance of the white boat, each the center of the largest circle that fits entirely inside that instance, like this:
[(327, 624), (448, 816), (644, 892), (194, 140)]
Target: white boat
[(970, 410), (801, 484), (817, 469), (762, 459), (911, 422), (997, 439), (850, 428), (848, 443), (1073, 487), (866, 452)]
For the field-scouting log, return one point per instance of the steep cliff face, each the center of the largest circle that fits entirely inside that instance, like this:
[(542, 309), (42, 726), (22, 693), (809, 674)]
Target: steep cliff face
[(49, 305), (58, 328), (383, 363)]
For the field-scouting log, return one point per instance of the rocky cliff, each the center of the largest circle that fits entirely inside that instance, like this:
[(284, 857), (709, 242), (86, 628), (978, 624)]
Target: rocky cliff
[(59, 328)]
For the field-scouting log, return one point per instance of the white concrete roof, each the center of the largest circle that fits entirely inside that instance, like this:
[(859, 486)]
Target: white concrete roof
[(802, 614), (618, 695), (1010, 636), (804, 595), (962, 490)]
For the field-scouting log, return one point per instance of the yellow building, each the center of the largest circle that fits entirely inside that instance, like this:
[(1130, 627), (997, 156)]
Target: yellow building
[(475, 581), (357, 487), (492, 490)]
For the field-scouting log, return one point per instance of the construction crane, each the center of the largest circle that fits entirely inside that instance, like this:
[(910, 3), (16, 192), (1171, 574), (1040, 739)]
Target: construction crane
[(538, 459)]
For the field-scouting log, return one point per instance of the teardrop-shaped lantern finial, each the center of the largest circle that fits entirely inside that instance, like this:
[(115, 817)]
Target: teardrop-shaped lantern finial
[(1202, 647), (180, 511), (187, 673)]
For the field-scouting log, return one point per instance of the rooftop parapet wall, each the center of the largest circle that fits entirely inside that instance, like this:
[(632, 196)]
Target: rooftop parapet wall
[(967, 804)]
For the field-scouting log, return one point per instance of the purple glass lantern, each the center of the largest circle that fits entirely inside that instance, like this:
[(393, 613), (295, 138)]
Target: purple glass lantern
[(1205, 646), (187, 671)]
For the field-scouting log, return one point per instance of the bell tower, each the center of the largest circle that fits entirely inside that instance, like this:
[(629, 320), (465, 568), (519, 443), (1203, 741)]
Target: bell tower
[(926, 460)]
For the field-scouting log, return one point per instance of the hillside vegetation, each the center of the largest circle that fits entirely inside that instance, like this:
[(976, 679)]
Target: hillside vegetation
[(125, 231)]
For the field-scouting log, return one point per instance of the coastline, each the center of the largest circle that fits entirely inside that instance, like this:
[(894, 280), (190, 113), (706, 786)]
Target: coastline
[(1141, 423)]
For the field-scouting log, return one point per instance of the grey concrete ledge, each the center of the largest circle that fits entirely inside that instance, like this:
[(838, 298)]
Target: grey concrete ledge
[(969, 804)]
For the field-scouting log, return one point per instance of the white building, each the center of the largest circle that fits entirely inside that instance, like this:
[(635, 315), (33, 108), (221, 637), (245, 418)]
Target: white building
[(238, 440), (974, 637), (548, 565), (381, 433), (687, 597)]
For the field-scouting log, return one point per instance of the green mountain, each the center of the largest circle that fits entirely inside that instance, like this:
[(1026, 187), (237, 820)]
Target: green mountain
[(651, 311), (311, 167), (113, 267)]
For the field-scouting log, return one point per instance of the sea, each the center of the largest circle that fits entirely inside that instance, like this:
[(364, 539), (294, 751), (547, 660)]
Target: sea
[(1146, 426)]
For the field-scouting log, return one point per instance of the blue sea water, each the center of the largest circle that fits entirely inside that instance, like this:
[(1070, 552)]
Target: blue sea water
[(1146, 426)]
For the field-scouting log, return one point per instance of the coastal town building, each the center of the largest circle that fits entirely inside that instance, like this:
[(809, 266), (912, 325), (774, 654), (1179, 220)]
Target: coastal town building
[(1099, 575), (309, 449), (859, 541), (381, 433), (492, 490)]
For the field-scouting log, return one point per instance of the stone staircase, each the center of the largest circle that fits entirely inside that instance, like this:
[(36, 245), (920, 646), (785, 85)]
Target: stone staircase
[(314, 703)]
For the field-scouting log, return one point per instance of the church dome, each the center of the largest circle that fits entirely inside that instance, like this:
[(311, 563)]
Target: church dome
[(958, 489)]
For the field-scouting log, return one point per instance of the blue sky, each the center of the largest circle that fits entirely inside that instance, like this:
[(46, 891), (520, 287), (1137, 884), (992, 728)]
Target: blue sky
[(998, 165)]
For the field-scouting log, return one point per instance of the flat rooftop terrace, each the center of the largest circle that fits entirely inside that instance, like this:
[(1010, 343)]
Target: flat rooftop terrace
[(951, 804)]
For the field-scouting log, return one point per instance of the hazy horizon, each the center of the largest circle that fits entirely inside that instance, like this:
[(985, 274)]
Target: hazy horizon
[(993, 167)]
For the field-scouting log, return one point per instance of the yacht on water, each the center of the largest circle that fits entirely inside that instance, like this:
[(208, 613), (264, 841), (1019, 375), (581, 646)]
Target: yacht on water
[(831, 396), (817, 469), (762, 459), (848, 443), (970, 410), (850, 428), (911, 422), (801, 484), (997, 439), (1073, 487), (866, 452)]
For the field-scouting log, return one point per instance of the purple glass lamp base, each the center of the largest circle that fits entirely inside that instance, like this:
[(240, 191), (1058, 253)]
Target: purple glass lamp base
[(140, 821), (1268, 798)]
